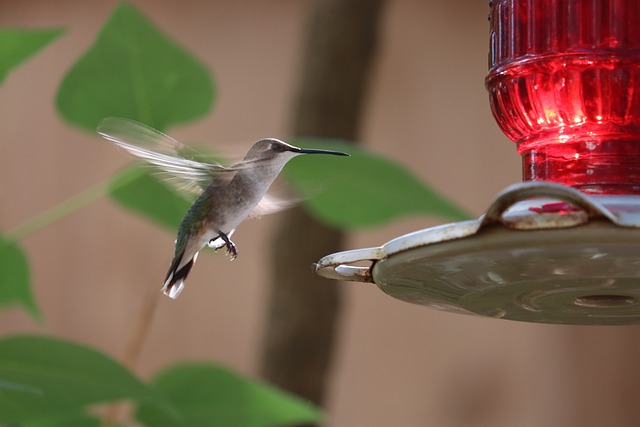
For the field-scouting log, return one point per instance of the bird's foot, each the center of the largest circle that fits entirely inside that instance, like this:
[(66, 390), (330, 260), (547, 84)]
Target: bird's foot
[(231, 247)]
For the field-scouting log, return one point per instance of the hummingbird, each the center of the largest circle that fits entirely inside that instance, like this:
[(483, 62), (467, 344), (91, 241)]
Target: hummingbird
[(227, 195)]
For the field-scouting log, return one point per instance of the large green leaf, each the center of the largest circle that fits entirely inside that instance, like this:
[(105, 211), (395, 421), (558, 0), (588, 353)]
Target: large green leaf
[(133, 70), (142, 193), (208, 395), (15, 280), (17, 45), (45, 377), (363, 190), (66, 420)]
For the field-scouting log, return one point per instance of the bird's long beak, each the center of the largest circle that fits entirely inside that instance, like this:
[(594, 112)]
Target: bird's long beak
[(317, 151)]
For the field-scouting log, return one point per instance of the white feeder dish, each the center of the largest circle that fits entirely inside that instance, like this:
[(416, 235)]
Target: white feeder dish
[(542, 253)]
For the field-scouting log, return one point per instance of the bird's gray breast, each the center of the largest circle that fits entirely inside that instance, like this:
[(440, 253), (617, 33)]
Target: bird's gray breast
[(233, 202)]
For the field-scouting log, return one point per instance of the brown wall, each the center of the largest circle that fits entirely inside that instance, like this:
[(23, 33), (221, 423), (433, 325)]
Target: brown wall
[(398, 364)]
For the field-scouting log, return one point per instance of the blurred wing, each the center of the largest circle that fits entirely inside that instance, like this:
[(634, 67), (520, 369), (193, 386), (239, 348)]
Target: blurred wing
[(163, 152), (271, 204)]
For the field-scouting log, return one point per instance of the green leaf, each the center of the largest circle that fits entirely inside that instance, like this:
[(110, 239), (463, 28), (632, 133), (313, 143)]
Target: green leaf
[(363, 190), (133, 70), (45, 377), (17, 45), (142, 193), (15, 280), (67, 420), (208, 395)]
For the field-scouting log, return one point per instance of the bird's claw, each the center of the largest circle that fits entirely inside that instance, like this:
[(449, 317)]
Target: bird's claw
[(231, 247)]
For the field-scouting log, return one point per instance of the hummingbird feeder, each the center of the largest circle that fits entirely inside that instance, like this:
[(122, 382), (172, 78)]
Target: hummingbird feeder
[(564, 245)]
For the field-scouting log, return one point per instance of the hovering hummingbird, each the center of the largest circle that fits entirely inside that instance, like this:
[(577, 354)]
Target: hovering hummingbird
[(227, 194)]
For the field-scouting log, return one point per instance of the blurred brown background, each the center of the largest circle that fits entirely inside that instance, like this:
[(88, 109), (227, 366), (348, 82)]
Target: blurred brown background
[(397, 364)]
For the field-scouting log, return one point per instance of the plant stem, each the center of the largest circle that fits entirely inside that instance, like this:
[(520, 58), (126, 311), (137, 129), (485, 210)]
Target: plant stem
[(141, 327), (133, 347), (58, 212)]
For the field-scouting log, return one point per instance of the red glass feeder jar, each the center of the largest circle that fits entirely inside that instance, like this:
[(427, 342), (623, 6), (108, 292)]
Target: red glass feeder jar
[(564, 85)]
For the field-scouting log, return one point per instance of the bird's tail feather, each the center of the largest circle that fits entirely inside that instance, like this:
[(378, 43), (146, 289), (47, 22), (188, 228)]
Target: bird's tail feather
[(178, 272)]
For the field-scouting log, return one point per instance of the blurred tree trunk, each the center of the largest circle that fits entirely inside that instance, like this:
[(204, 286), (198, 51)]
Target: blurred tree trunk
[(303, 311)]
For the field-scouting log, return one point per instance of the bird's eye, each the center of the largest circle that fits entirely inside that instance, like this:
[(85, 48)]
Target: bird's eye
[(279, 148)]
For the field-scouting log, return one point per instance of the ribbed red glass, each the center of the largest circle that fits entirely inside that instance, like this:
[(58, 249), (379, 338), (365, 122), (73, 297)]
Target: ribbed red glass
[(564, 85)]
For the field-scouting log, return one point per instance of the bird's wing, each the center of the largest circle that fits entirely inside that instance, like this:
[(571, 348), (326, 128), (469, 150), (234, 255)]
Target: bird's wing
[(176, 161), (272, 204)]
